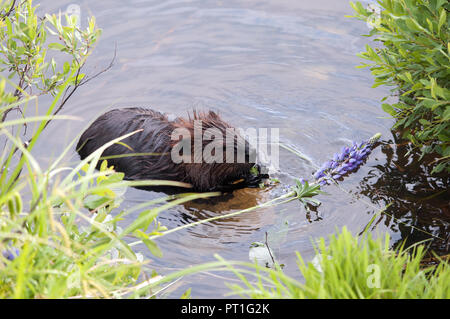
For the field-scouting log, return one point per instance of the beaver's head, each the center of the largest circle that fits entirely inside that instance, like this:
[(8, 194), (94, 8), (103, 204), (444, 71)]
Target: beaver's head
[(214, 155)]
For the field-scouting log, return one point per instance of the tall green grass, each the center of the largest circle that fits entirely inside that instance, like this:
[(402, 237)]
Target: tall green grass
[(349, 267), (58, 238)]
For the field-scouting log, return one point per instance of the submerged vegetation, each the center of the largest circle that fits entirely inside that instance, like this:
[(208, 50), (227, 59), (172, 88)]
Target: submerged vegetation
[(59, 236)]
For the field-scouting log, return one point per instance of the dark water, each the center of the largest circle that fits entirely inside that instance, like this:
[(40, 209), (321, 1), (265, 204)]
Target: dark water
[(272, 64)]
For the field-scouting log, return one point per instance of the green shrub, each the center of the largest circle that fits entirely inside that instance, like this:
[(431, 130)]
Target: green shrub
[(348, 269), (30, 47), (414, 59)]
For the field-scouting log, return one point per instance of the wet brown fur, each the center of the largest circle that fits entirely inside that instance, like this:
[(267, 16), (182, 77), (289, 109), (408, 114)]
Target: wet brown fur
[(156, 138)]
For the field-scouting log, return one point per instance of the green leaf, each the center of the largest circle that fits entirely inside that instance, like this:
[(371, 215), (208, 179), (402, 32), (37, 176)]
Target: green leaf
[(153, 247), (94, 201), (446, 115), (439, 168), (66, 67), (424, 122), (143, 221), (442, 19), (186, 294), (388, 109), (56, 46)]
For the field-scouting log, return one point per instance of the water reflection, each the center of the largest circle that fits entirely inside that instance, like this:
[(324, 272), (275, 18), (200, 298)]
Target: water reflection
[(419, 203), (229, 229)]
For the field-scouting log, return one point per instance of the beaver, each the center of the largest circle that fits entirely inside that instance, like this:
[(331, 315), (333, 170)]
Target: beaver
[(160, 142)]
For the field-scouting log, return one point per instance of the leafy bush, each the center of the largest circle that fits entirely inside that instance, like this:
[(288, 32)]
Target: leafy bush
[(348, 269), (26, 54), (414, 58)]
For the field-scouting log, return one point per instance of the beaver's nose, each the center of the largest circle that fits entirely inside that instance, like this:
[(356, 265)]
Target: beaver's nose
[(255, 179)]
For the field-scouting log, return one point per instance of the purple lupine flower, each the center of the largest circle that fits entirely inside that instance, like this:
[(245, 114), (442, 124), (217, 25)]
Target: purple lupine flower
[(11, 253), (345, 162)]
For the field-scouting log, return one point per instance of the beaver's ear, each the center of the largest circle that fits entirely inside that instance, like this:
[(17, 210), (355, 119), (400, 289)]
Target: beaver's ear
[(213, 115)]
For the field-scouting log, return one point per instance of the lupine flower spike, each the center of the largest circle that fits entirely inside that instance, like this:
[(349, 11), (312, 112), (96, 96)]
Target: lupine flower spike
[(342, 164), (345, 162), (11, 253)]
